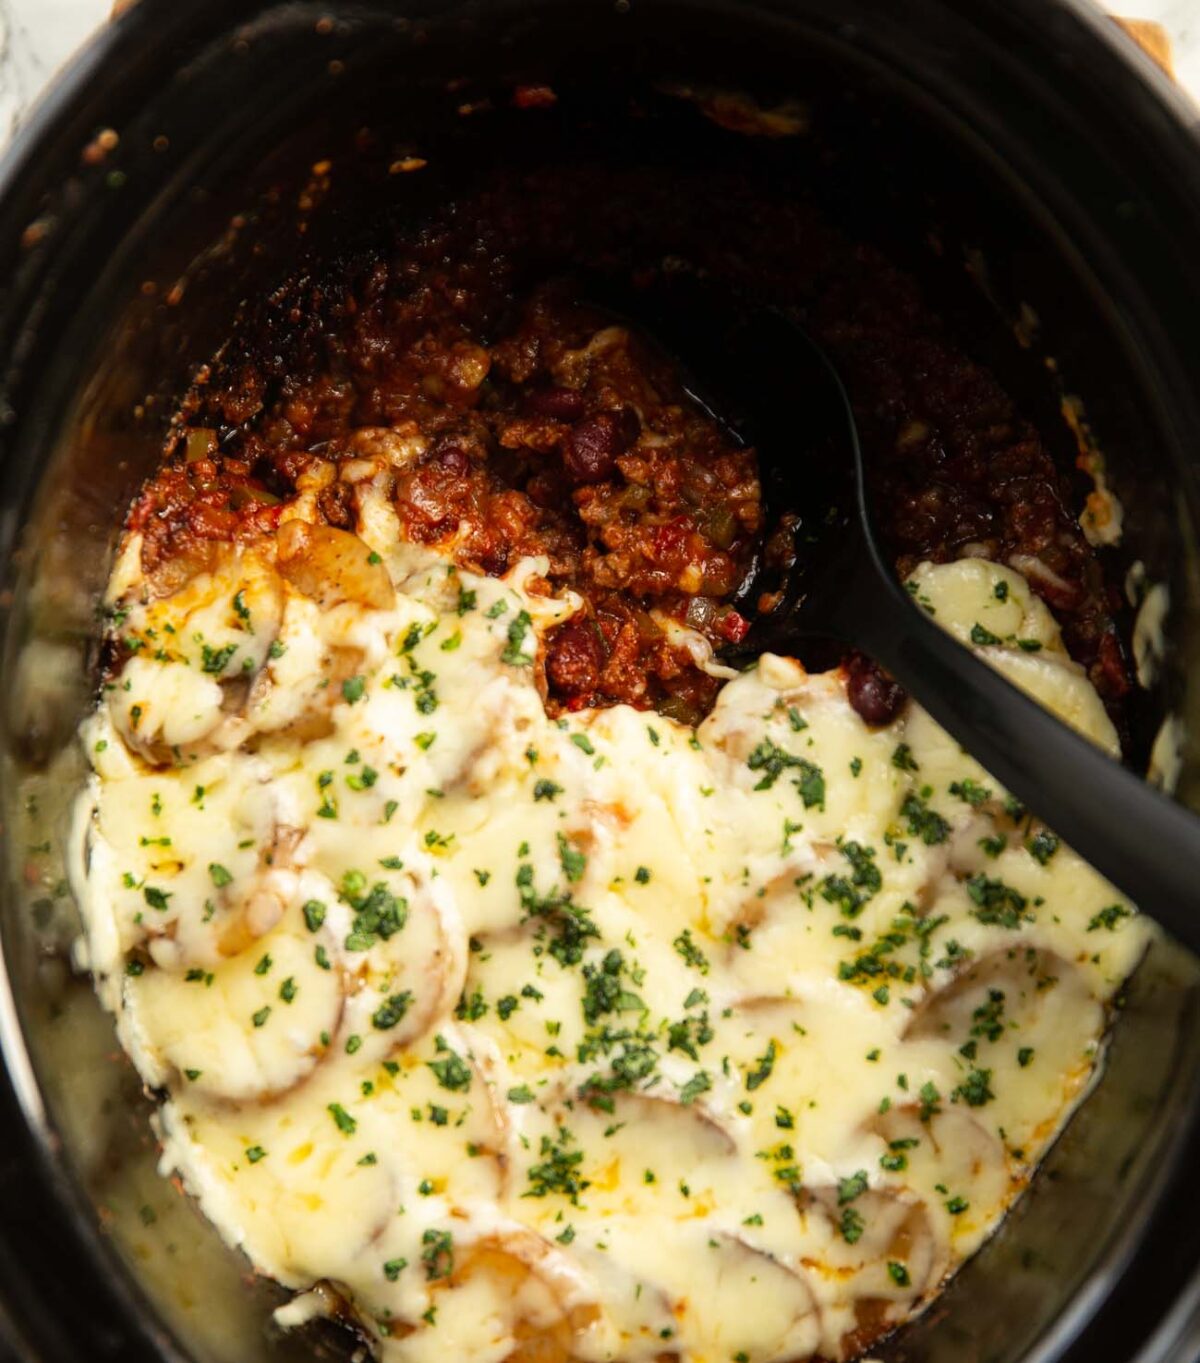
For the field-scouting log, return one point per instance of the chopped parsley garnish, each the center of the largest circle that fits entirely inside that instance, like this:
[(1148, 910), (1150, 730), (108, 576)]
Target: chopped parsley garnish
[(866, 880), (517, 631), (1043, 845), (157, 899), (573, 862), (988, 1019), (362, 780), (998, 904), (216, 659), (391, 1010), (975, 1089), (378, 914), (220, 876), (342, 1119), (451, 1070), (983, 637), (438, 1254), (758, 1076), (851, 1225), (690, 952), (1108, 918), (903, 758), (930, 1102), (558, 1169), (923, 822), (850, 1188), (471, 1007), (971, 792), (546, 790), (605, 989), (314, 914), (772, 761), (699, 1083)]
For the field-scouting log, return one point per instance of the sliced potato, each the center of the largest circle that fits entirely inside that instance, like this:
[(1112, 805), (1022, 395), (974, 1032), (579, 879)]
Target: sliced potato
[(408, 985), (250, 1028), (879, 1248), (332, 566), (951, 1150)]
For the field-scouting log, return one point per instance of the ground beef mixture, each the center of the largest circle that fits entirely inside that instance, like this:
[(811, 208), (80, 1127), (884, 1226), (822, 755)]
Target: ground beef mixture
[(522, 422)]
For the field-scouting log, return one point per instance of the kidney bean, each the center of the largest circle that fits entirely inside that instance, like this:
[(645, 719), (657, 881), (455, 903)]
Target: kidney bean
[(562, 404), (877, 697), (593, 445), (453, 458)]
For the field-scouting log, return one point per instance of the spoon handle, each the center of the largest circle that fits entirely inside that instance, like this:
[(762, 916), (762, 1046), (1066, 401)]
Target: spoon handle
[(1144, 843)]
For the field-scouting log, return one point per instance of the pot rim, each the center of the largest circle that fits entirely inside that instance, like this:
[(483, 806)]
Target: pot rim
[(44, 154)]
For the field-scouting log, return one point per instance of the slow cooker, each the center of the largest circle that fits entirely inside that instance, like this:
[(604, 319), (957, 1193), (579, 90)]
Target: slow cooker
[(1030, 166)]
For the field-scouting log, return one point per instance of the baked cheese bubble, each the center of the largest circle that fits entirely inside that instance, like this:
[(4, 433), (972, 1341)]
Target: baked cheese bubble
[(594, 1038)]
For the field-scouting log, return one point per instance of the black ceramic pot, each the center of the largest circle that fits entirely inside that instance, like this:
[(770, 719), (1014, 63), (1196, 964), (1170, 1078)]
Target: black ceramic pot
[(1007, 152)]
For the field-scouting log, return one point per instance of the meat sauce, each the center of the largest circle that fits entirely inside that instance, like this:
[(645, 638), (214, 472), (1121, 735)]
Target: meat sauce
[(520, 422)]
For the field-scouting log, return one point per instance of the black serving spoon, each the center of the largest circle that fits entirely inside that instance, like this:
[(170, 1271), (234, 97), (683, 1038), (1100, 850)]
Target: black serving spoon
[(770, 384)]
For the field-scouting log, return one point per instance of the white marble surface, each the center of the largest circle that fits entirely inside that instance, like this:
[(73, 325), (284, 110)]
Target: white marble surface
[(37, 36)]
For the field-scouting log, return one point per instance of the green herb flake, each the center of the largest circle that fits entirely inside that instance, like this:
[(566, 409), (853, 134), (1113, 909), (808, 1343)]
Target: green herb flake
[(517, 630), (573, 861), (452, 1072), (1042, 846), (342, 1119), (1108, 918), (758, 1076), (983, 637), (903, 759), (438, 1254)]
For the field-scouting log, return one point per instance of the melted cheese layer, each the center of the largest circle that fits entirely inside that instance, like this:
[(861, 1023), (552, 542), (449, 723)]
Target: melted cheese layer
[(598, 1038)]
